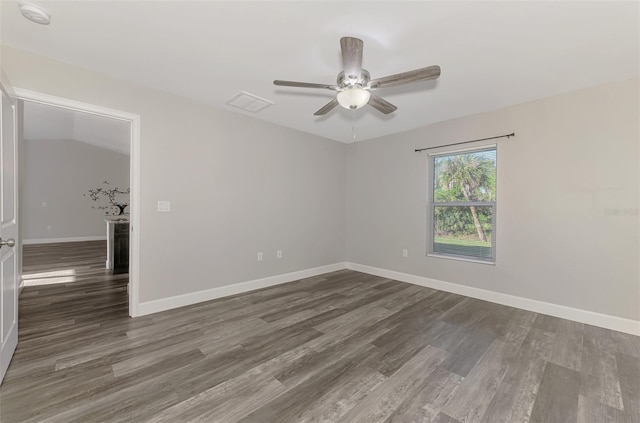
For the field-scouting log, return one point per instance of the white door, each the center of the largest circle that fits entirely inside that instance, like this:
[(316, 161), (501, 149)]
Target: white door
[(9, 251)]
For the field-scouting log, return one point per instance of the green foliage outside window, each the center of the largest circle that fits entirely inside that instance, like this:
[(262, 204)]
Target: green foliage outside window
[(464, 229)]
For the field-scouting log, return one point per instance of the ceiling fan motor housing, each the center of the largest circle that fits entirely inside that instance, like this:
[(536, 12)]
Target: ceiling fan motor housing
[(344, 83)]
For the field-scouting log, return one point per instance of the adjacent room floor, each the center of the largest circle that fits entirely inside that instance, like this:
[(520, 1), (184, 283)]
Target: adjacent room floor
[(341, 347)]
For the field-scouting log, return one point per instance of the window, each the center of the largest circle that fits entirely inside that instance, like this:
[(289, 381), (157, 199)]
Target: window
[(462, 204)]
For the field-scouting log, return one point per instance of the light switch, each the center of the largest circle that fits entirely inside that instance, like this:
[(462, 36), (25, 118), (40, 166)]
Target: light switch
[(164, 206)]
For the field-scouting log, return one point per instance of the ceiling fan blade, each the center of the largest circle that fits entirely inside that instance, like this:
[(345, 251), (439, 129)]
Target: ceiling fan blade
[(381, 104), (303, 85), (327, 108), (351, 57), (423, 74)]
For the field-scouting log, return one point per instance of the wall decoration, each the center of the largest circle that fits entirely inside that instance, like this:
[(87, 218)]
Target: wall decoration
[(109, 199)]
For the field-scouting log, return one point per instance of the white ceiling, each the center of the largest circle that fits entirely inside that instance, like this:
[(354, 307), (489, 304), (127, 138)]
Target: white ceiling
[(492, 54), (49, 123)]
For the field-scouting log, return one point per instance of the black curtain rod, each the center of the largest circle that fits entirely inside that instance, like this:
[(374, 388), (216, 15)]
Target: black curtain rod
[(513, 134)]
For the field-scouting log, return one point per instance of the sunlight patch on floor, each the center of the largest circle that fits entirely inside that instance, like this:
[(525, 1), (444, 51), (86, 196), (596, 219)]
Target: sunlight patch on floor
[(49, 278)]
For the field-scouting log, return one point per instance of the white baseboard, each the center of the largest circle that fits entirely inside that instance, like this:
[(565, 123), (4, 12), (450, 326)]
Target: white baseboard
[(583, 316), (155, 306), (57, 240)]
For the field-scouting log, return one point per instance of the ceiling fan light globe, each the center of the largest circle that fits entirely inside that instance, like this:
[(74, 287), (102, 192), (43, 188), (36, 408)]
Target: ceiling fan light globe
[(353, 98)]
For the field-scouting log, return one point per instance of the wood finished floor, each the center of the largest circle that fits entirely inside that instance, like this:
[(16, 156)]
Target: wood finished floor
[(341, 347)]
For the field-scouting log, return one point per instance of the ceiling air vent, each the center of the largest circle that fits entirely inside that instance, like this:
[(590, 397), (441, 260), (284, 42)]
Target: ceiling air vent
[(249, 102)]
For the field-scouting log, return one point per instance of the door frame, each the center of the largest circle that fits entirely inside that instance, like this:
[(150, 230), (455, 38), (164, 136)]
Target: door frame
[(134, 176)]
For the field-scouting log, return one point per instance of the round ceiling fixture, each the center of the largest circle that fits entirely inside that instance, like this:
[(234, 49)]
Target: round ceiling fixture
[(353, 98), (35, 13)]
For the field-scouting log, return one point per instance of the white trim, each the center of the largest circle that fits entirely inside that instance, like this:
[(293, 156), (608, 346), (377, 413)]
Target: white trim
[(134, 175), (583, 316), (69, 239), (460, 258), (67, 103), (459, 150), (155, 306)]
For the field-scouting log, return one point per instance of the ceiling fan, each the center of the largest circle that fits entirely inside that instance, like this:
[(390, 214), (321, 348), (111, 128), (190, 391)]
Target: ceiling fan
[(354, 84)]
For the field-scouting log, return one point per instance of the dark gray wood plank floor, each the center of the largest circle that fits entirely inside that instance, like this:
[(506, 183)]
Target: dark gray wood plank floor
[(341, 347)]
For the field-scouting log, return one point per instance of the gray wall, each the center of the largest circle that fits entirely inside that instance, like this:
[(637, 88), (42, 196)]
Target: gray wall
[(58, 173), (573, 160), (237, 185)]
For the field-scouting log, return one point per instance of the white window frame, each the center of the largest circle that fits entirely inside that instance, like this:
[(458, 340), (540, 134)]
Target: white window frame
[(431, 205)]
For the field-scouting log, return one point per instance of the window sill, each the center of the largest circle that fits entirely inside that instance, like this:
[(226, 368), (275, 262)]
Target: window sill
[(470, 260)]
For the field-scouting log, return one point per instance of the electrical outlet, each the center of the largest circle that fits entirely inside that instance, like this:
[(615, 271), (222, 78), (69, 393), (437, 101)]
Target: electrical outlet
[(279, 254), (260, 256), (405, 253)]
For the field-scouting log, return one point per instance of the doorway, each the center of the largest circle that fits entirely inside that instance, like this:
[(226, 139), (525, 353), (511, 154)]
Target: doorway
[(94, 197)]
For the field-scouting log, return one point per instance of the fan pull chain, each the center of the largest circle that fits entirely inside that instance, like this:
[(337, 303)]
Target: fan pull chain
[(353, 124)]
